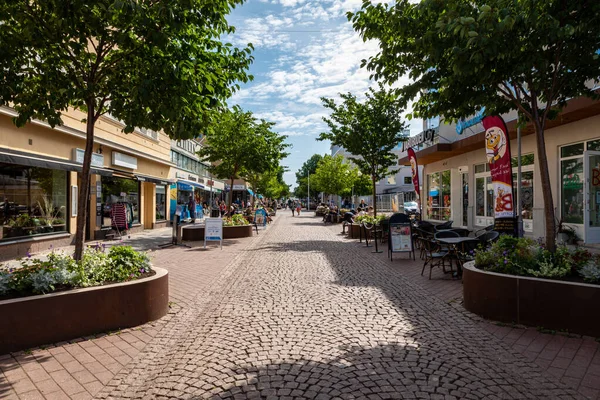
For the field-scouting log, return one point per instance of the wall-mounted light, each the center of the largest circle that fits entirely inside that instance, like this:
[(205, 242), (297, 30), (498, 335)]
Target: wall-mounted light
[(99, 151)]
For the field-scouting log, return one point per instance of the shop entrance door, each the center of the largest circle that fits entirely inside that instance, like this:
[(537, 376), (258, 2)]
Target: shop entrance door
[(591, 216)]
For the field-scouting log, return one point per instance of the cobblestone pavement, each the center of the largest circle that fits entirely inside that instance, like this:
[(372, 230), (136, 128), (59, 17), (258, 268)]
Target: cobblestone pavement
[(300, 311), (304, 315)]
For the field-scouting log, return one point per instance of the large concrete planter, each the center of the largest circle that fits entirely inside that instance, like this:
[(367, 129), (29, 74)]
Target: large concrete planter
[(196, 232), (36, 320), (551, 304)]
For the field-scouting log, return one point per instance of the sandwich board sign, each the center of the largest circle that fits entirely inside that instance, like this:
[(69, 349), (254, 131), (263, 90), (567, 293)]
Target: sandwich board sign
[(213, 231), (400, 235), (260, 217)]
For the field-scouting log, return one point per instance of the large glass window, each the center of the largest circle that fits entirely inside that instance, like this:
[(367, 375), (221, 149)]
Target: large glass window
[(571, 194), (120, 190), (484, 187), (161, 202), (438, 196), (33, 201)]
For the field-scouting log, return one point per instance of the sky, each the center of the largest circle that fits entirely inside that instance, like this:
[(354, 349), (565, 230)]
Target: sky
[(304, 50)]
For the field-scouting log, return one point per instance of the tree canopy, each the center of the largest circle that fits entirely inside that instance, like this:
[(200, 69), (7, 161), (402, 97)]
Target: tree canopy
[(525, 55), (368, 130), (309, 167), (334, 175), (240, 147), (156, 65)]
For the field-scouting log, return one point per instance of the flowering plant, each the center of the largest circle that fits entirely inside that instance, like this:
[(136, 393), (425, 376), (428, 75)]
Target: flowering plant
[(60, 271)]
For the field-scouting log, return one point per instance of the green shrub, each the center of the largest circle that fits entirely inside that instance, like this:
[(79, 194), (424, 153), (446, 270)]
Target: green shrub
[(508, 255), (61, 271)]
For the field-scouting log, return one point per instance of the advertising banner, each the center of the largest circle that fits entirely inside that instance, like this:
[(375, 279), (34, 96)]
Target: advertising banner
[(414, 167), (497, 147)]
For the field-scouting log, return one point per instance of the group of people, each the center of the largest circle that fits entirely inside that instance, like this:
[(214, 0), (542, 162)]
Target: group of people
[(295, 206)]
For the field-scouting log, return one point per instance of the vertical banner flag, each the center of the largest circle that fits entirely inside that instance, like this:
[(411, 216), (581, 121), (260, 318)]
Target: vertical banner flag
[(497, 148), (414, 168)]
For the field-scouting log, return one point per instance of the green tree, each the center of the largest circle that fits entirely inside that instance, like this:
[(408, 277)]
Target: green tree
[(530, 56), (309, 167), (363, 185), (240, 147), (334, 175), (369, 131), (156, 65)]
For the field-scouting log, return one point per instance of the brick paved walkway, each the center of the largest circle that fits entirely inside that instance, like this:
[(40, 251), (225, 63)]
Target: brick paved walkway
[(300, 311)]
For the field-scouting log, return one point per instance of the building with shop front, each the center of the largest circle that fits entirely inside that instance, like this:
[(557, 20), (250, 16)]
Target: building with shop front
[(457, 182), (190, 177), (39, 180)]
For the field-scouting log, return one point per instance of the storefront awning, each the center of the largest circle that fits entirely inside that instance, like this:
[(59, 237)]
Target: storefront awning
[(186, 185), (10, 156), (152, 179), (250, 191)]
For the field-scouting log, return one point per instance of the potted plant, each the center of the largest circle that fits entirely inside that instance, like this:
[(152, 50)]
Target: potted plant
[(566, 234)]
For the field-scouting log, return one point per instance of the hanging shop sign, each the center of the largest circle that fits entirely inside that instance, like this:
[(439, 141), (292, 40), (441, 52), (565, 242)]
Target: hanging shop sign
[(423, 137), (97, 159), (464, 124), (414, 168), (123, 160), (497, 148)]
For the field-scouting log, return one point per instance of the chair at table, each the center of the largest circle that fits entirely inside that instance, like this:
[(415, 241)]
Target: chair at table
[(434, 255), (466, 252), (488, 238), (418, 235), (484, 230), (462, 232), (444, 226), (449, 233)]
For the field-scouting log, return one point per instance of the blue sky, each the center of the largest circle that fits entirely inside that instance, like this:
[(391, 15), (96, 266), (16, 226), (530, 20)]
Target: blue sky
[(304, 49)]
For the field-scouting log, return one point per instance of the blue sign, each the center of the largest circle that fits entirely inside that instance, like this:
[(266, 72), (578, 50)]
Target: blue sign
[(184, 187), (462, 125), (260, 217)]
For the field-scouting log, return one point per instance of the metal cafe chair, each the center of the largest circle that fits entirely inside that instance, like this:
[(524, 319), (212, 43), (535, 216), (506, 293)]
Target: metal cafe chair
[(488, 238), (434, 256)]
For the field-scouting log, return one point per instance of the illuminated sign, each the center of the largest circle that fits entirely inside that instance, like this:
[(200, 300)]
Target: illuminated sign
[(462, 124)]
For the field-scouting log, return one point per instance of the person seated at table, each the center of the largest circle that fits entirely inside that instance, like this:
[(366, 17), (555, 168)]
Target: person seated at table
[(349, 216), (331, 214), (361, 212), (370, 210)]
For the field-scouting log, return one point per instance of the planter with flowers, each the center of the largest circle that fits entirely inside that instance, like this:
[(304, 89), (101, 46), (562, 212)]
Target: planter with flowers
[(55, 299), (519, 281), (234, 227)]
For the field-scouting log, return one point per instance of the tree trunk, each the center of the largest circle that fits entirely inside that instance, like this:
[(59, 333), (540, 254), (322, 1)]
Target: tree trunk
[(84, 190), (374, 196), (228, 211), (546, 189)]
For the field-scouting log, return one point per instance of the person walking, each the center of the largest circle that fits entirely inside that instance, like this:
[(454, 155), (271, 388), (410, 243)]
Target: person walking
[(192, 208), (298, 208), (292, 207)]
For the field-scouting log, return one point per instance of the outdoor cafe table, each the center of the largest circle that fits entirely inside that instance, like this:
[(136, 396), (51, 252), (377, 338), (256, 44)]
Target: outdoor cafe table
[(454, 244)]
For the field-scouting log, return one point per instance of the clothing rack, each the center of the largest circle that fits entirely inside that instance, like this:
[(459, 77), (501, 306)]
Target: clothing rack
[(121, 215)]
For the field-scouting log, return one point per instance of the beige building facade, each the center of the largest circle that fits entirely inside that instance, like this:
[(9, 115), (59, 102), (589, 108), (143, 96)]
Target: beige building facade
[(457, 183), (39, 180)]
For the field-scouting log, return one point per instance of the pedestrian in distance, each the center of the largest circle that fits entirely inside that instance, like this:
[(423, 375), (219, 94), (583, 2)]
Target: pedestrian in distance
[(293, 208)]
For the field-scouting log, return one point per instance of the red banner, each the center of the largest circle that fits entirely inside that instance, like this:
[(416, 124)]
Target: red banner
[(497, 148), (414, 167)]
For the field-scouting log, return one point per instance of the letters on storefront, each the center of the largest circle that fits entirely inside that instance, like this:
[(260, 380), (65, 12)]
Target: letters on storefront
[(425, 136), (497, 148)]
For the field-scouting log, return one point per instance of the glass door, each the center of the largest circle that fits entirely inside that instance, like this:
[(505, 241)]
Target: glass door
[(592, 197), (465, 199)]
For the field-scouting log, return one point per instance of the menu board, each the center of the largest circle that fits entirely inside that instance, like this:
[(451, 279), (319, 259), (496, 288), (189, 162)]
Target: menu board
[(401, 237)]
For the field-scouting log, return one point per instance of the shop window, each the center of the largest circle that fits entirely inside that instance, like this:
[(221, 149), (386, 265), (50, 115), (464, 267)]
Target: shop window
[(120, 190), (572, 150), (526, 193), (480, 197), (571, 193), (438, 196), (33, 201), (479, 168), (526, 159), (161, 202), (594, 145), (408, 180)]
